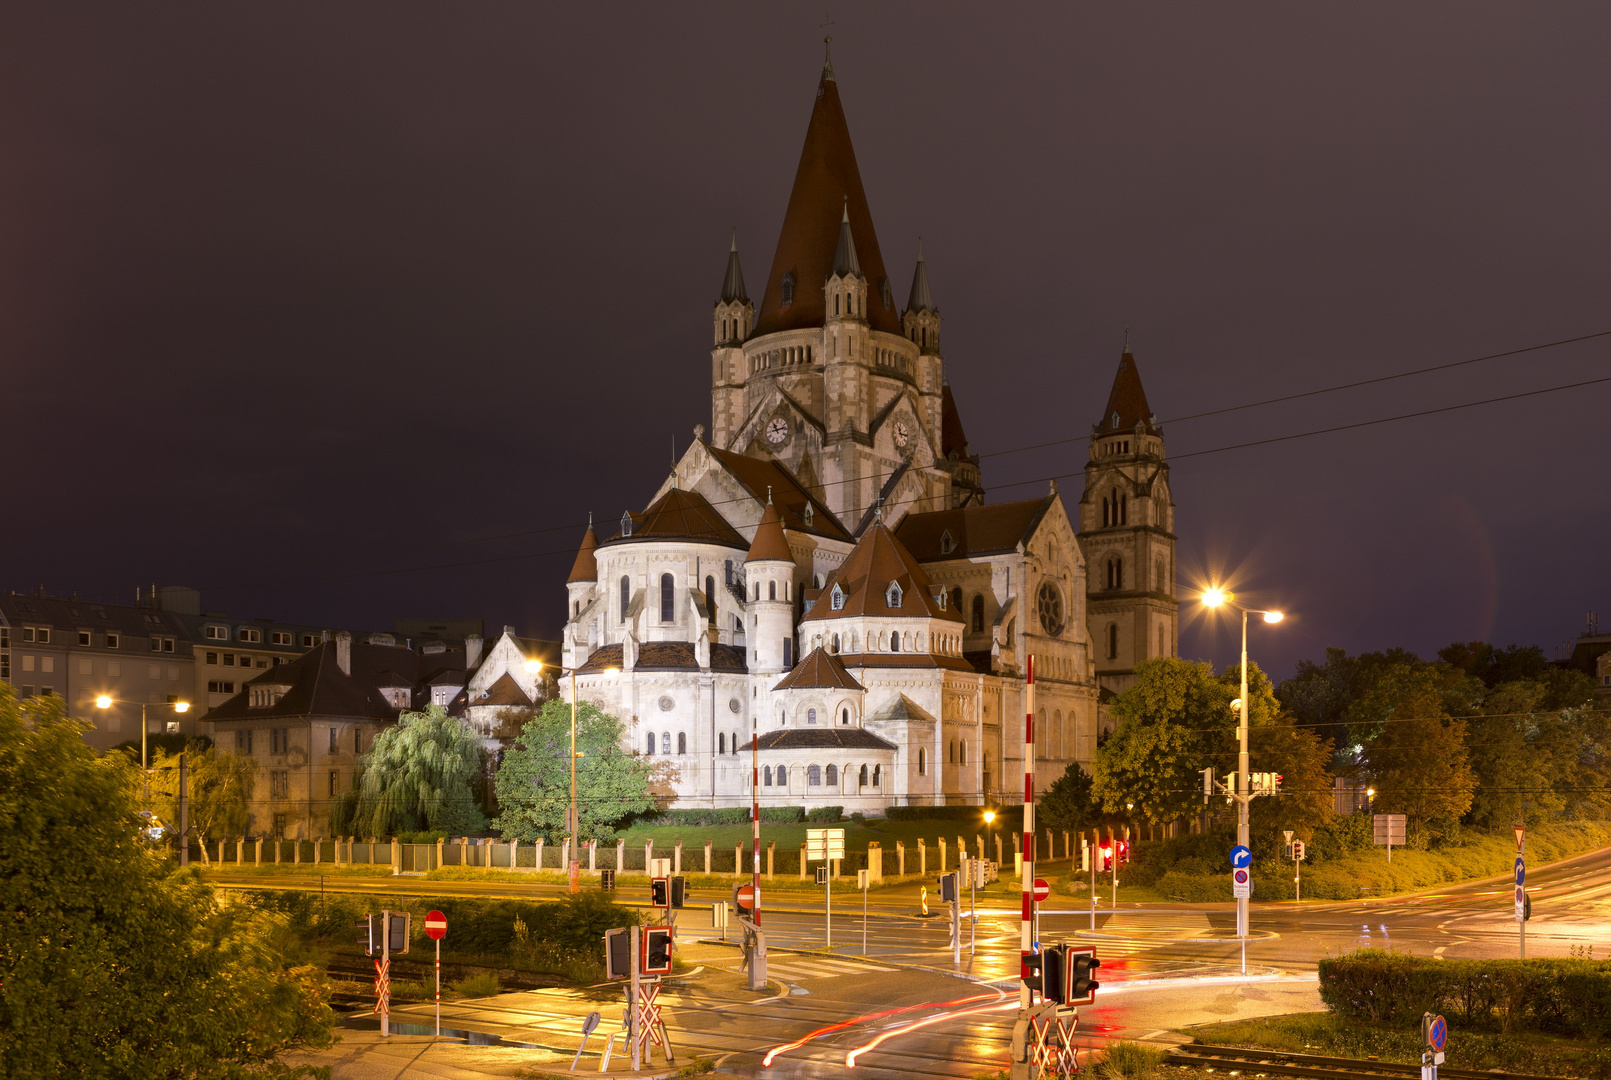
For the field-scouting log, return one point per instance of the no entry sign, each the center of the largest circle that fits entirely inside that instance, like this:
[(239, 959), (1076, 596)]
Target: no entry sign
[(1042, 890), (746, 898), (435, 925)]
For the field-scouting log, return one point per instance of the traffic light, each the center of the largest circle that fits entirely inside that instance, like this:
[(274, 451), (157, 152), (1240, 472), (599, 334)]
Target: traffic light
[(402, 924), (1054, 973), (1081, 986), (1208, 784), (369, 934), (1031, 966), (618, 954), (656, 950), (659, 892), (1104, 859), (1124, 852), (948, 887), (371, 931), (679, 889), (1297, 851)]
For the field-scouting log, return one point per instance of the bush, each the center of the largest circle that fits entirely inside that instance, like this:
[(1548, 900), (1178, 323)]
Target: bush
[(730, 815), (828, 814), (1564, 997), (485, 984), (1008, 818), (1127, 1060), (782, 815)]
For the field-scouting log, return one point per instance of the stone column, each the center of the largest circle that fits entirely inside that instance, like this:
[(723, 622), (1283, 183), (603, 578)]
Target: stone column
[(708, 844), (514, 855), (900, 857), (771, 850), (592, 856), (240, 850), (922, 858), (397, 856)]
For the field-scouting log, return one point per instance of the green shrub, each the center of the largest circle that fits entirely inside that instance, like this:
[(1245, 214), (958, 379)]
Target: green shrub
[(827, 814), (1127, 1060), (728, 815), (483, 985), (1564, 997), (782, 815)]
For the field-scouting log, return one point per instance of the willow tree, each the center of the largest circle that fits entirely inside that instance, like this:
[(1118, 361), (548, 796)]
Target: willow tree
[(419, 776)]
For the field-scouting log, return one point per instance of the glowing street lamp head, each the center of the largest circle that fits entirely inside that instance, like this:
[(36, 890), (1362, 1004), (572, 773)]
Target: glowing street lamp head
[(1273, 616), (533, 667), (181, 706), (611, 673), (990, 815), (103, 702), (1214, 597)]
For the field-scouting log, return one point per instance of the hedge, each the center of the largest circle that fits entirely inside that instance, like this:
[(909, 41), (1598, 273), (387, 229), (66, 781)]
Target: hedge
[(1563, 997), (729, 815), (828, 814), (1007, 818)]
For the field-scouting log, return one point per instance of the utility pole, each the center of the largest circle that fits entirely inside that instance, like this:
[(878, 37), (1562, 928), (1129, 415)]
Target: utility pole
[(184, 813)]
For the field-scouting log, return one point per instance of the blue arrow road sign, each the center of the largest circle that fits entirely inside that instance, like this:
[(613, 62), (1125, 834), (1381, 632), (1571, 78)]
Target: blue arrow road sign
[(1241, 856), (1521, 870)]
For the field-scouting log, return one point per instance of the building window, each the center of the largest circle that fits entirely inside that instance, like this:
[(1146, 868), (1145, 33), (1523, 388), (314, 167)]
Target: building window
[(229, 659), (788, 652), (44, 637), (832, 778), (665, 742), (727, 571), (951, 752), (962, 752), (811, 716), (783, 776), (878, 775), (788, 288), (335, 778), (735, 742), (892, 595), (243, 741), (844, 716), (895, 642), (1113, 641), (836, 598), (27, 633), (721, 743), (216, 687), (332, 740), (771, 590), (834, 646), (279, 826), (251, 634), (167, 644), (710, 599), (280, 637), (84, 638), (978, 613), (650, 743), (814, 776), (357, 740), (212, 658), (218, 633), (279, 782), (682, 742), (861, 779), (309, 641), (278, 740), (922, 762), (668, 598), (626, 596), (766, 776)]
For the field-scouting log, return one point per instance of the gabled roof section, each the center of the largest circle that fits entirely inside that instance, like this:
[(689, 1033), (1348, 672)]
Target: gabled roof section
[(975, 530), (1127, 404), (769, 544), (902, 708), (759, 477), (865, 576), (822, 738), (827, 189), (318, 686), (733, 284), (666, 656), (682, 515), (506, 692), (586, 566), (820, 669)]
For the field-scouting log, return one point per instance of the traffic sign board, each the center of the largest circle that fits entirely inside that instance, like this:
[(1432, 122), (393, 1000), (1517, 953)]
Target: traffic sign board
[(1042, 890), (1521, 904), (1521, 835), (1437, 1033), (746, 897), (1241, 884), (435, 925), (825, 844), (1241, 856), (1521, 871)]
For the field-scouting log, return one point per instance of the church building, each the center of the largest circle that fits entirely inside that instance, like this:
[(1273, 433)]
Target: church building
[(821, 572)]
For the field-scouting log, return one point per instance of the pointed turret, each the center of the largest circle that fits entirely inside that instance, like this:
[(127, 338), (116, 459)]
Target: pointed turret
[(1127, 403), (844, 256), (769, 544), (586, 566), (733, 284), (769, 570), (921, 299), (827, 193)]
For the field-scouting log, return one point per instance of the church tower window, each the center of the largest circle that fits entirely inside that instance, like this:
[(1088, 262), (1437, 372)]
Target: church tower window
[(626, 595), (978, 613), (771, 590), (844, 716), (956, 599), (710, 599), (811, 716), (728, 570), (682, 742), (892, 596), (833, 775), (788, 653), (721, 743), (1113, 641), (668, 598), (650, 743), (788, 288), (836, 599)]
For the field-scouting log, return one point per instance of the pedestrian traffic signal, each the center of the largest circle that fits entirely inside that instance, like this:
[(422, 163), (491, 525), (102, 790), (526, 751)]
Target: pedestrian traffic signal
[(948, 887), (1054, 973), (657, 950), (1297, 851), (1081, 986), (1124, 852), (618, 954), (679, 889), (659, 892), (1030, 966), (1104, 859)]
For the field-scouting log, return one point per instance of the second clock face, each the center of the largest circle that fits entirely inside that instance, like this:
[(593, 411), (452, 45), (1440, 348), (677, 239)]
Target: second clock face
[(901, 434), (777, 430)]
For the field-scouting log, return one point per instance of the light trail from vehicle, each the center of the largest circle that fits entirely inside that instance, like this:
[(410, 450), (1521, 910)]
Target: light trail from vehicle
[(995, 1006), (831, 1028)]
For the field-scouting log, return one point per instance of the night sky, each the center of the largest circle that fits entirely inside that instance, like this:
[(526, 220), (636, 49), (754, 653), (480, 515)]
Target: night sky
[(294, 294)]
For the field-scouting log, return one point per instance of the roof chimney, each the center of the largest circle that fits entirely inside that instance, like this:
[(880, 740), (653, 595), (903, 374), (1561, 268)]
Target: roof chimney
[(344, 652), (472, 652)]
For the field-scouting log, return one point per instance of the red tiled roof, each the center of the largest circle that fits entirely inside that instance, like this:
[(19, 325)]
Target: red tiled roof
[(682, 515), (1127, 404), (769, 542), (822, 738), (974, 530), (826, 178), (819, 669), (761, 478), (666, 656), (865, 577), (586, 566)]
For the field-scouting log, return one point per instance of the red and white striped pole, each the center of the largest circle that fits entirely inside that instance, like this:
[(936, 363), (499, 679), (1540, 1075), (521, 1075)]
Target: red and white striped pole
[(755, 825), (1027, 925)]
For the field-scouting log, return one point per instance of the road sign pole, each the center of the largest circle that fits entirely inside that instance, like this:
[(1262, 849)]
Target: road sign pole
[(827, 884), (385, 972), (1244, 789), (438, 988), (1521, 883), (635, 956)]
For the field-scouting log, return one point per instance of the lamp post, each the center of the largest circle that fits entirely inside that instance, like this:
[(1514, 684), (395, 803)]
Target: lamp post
[(990, 826), (106, 701), (1214, 598), (573, 823)]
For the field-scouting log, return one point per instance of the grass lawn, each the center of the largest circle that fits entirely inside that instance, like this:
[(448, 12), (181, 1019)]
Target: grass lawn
[(857, 835), (1328, 1035)]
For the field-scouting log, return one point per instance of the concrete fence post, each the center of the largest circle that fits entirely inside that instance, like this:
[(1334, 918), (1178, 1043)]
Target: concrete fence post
[(1066, 849), (439, 842), (620, 856), (648, 855), (998, 850), (771, 850), (240, 850), (464, 851), (676, 858), (708, 845), (257, 851), (802, 862), (738, 859), (900, 857), (962, 850), (942, 855), (539, 856), (316, 853), (514, 855), (979, 846), (397, 856), (875, 862), (922, 858), (296, 851), (592, 856)]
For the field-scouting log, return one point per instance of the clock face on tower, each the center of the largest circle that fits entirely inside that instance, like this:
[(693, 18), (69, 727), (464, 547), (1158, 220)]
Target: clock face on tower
[(777, 431), (901, 434)]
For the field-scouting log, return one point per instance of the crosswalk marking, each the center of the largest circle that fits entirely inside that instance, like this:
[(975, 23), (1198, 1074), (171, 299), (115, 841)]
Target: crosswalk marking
[(819, 968)]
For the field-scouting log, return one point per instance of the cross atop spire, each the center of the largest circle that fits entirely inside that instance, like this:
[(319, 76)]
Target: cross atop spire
[(827, 56)]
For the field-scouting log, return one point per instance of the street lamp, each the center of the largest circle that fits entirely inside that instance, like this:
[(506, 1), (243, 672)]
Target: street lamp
[(106, 701), (1214, 598), (990, 826), (535, 667)]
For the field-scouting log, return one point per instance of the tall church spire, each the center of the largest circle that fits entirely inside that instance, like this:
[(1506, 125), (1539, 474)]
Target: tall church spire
[(733, 283), (921, 299), (1127, 403), (827, 193), (844, 256)]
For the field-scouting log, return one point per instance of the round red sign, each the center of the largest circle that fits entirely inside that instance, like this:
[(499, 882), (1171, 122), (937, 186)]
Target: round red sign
[(435, 925), (746, 896), (1042, 890)]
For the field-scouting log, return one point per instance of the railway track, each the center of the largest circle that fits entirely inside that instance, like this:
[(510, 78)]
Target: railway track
[(1254, 1063)]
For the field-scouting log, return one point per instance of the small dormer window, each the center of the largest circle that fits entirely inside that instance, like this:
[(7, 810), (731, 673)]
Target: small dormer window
[(788, 288), (836, 598), (885, 295), (807, 514), (948, 543), (939, 598), (892, 595), (626, 523)]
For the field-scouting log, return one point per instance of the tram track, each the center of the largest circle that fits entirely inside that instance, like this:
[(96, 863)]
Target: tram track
[(1247, 1062)]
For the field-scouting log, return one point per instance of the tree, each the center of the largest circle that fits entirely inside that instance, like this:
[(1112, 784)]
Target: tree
[(1067, 805), (1148, 768), (1298, 754), (112, 965), (1413, 751), (418, 776), (219, 791), (534, 782)]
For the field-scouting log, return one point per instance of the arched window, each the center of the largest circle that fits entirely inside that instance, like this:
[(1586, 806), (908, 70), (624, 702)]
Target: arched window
[(814, 776), (836, 303), (788, 288), (844, 716), (951, 752), (651, 742), (626, 596), (978, 613), (1124, 506), (895, 642), (861, 780), (1113, 641), (956, 600), (835, 643), (757, 590), (892, 595), (922, 762), (833, 776), (1106, 517), (836, 598), (788, 653), (878, 775), (1055, 743), (668, 598), (1163, 641), (816, 581), (682, 742), (721, 744), (665, 742), (728, 570), (710, 598), (783, 776), (771, 590), (766, 776), (1160, 576), (735, 742), (811, 716)]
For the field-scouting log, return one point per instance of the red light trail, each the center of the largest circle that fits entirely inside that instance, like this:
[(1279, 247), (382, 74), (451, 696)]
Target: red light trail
[(786, 1047)]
